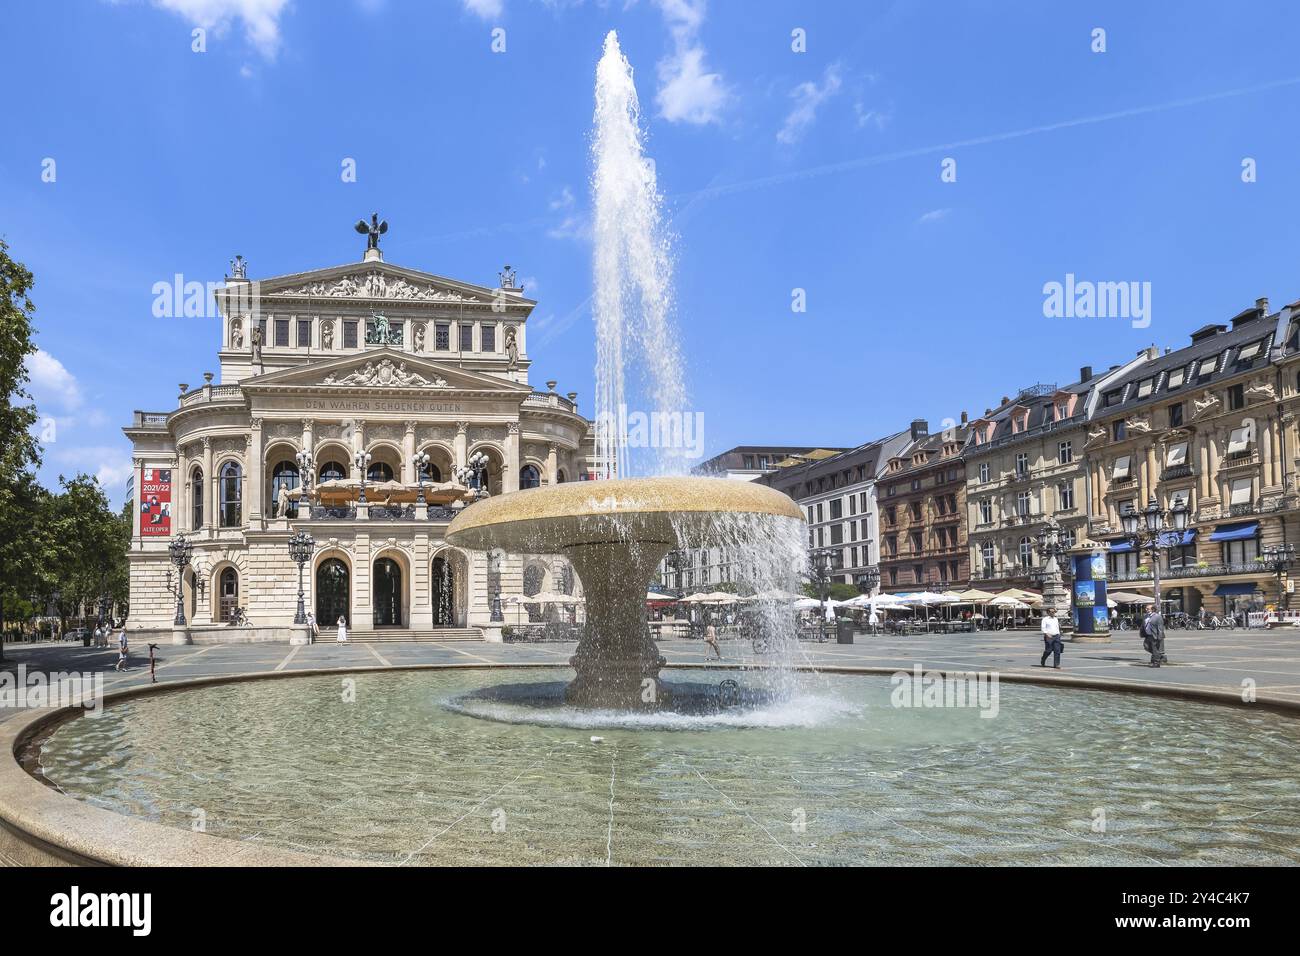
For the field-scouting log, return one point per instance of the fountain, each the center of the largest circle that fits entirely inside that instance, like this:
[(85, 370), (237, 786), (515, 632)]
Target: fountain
[(615, 533)]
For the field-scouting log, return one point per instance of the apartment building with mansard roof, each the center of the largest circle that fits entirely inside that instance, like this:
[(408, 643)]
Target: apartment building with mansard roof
[(1204, 426)]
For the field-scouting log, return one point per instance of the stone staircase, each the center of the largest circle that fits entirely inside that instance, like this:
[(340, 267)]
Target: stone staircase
[(397, 635)]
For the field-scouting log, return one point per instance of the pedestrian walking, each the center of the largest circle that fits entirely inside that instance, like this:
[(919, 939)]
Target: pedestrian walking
[(313, 631), (153, 664), (711, 638), (121, 650), (1153, 638), (343, 631), (1052, 645)]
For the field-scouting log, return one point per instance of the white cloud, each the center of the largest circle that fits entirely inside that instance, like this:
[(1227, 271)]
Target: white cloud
[(688, 91), (52, 385), (112, 466), (808, 98), (484, 9), (260, 18), (934, 215), (563, 199)]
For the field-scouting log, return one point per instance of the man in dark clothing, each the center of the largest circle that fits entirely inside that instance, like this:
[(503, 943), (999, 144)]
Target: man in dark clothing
[(1153, 638)]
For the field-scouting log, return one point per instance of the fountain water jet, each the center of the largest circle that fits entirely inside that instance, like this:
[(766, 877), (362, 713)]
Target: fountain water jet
[(616, 531)]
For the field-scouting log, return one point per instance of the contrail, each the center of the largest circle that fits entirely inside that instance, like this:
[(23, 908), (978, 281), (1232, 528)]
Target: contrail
[(848, 165)]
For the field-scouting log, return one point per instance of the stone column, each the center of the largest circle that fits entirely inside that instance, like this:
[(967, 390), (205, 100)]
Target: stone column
[(308, 434), (209, 484), (461, 444), (552, 465), (1266, 454), (1203, 450), (510, 479), (254, 479), (138, 466), (408, 454)]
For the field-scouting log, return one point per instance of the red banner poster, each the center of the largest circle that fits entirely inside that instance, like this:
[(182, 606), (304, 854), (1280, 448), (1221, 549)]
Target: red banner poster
[(155, 502)]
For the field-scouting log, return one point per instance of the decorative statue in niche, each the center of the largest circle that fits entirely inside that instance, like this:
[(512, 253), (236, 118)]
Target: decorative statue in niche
[(327, 335), (255, 337), (419, 337), (236, 334), (512, 349)]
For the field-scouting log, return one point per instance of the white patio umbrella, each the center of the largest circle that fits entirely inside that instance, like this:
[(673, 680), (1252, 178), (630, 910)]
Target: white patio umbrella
[(776, 594), (1126, 597)]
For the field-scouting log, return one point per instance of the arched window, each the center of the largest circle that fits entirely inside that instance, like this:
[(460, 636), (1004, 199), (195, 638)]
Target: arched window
[(196, 499), (529, 477), (431, 472), (284, 475), (379, 471), (1026, 553), (331, 471), (231, 495), (560, 477)]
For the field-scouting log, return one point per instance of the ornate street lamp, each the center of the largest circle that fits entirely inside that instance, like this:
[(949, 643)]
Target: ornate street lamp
[(180, 550), (362, 460), (820, 560), (1278, 558), (868, 580), (1145, 532), (472, 474), (421, 463), (301, 544)]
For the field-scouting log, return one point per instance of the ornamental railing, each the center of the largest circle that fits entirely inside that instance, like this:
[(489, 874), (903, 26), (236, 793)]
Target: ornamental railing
[(1195, 571)]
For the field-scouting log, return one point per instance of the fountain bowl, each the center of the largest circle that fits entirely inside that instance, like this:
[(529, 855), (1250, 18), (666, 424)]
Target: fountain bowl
[(615, 533)]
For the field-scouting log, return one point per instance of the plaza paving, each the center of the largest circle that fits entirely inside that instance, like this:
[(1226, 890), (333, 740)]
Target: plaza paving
[(1200, 660)]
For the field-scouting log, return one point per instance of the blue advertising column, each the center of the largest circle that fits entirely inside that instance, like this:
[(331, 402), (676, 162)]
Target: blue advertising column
[(1088, 604)]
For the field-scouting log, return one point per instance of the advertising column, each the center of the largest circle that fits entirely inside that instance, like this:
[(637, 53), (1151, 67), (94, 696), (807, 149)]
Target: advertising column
[(1088, 604)]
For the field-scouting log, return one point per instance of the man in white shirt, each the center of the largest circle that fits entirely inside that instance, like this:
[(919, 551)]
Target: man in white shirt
[(1051, 640)]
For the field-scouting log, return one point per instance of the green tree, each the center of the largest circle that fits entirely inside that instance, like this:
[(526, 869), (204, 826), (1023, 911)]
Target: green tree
[(19, 451)]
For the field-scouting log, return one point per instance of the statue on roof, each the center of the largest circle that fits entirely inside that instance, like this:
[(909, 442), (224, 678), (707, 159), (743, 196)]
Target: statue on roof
[(372, 230)]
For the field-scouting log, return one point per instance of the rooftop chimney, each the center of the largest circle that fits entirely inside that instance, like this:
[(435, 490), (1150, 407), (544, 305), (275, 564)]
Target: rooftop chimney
[(963, 418), (1262, 305), (920, 428), (1085, 373)]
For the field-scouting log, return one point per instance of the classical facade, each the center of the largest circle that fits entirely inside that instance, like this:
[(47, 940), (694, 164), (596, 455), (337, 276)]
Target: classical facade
[(1212, 426), (427, 376), (922, 502), (1024, 466)]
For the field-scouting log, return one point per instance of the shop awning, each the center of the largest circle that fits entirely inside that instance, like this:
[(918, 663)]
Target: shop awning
[(1118, 546), (1235, 532), (1178, 539), (1230, 590)]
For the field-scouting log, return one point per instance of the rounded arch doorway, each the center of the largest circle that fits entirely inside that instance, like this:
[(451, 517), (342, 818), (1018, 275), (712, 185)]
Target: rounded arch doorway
[(333, 593), (387, 593)]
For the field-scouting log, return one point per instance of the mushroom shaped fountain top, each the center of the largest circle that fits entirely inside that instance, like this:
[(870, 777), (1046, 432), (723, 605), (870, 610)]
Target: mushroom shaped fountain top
[(615, 533)]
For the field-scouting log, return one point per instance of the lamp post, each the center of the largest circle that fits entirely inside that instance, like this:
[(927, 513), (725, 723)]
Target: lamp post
[(819, 560), (301, 544), (471, 475), (1278, 558), (868, 580), (180, 550), (1050, 551), (362, 460), (421, 463), (1145, 532)]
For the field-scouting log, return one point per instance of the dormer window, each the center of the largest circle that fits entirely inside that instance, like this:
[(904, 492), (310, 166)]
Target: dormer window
[(1145, 387), (1176, 378), (1207, 367)]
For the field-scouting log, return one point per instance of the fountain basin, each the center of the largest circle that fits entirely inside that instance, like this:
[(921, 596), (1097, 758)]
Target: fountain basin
[(399, 776), (615, 533)]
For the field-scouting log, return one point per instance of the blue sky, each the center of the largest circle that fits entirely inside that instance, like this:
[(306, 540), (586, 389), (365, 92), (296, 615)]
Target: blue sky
[(783, 170)]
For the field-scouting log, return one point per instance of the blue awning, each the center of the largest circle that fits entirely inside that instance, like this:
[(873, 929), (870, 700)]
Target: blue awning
[(1235, 532), (1178, 539), (1230, 590), (1118, 546)]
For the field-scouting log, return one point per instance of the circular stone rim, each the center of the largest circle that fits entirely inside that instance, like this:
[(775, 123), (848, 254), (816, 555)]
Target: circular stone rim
[(54, 828)]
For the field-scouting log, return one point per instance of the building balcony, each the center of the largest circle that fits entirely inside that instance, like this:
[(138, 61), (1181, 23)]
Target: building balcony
[(377, 513), (1195, 571), (151, 421), (1239, 460), (1174, 472)]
